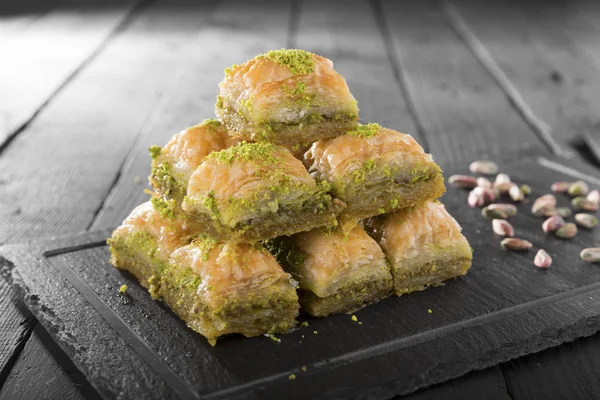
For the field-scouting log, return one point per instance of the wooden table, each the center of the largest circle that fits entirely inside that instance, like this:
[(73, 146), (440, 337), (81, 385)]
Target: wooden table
[(85, 90)]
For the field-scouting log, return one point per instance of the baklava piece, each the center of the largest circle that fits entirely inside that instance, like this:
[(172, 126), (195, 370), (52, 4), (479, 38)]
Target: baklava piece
[(144, 242), (375, 170), (287, 97), (256, 191), (174, 163), (222, 288), (337, 272), (423, 244)]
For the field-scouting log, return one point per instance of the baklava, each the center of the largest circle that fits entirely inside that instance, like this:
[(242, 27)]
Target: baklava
[(144, 242), (256, 191), (222, 288), (375, 170), (174, 163), (423, 245), (337, 272), (287, 97)]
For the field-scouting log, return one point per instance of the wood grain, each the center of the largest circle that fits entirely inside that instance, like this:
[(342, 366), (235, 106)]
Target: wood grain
[(350, 37), (552, 73), (464, 113), (46, 54)]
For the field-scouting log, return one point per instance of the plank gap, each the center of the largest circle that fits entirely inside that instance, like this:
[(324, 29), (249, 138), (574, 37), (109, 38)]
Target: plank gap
[(399, 73), (466, 34)]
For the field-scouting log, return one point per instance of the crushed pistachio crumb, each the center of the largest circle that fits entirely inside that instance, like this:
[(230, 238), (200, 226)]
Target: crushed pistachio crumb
[(247, 152), (228, 70), (354, 318), (154, 151), (123, 289), (365, 131), (316, 332), (166, 208), (273, 337), (303, 368), (292, 377), (429, 311), (304, 324), (297, 61)]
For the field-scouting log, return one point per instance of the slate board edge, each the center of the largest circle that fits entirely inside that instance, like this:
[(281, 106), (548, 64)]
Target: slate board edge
[(439, 373)]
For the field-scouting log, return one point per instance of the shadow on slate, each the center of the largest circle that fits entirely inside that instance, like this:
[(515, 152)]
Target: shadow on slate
[(131, 346)]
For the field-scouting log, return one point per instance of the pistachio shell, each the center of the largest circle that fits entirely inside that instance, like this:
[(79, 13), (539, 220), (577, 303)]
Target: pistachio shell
[(509, 209), (560, 187), (463, 181), (579, 188), (581, 203), (591, 254), (543, 205), (484, 182), (515, 244), (515, 193), (493, 213), (552, 224), (587, 221), (594, 196), (502, 227), (542, 259), (502, 178), (563, 211), (526, 189), (567, 231), (483, 167)]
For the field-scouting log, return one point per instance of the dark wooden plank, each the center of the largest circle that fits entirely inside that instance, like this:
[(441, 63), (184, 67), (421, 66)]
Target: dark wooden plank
[(48, 54), (351, 38), (487, 384), (567, 372), (35, 378), (76, 146), (504, 308), (193, 95), (464, 113), (551, 73)]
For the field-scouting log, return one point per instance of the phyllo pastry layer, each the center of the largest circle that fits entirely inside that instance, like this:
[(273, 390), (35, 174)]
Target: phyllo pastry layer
[(289, 97), (222, 288), (375, 170), (174, 163), (337, 272), (144, 242), (256, 191), (423, 244)]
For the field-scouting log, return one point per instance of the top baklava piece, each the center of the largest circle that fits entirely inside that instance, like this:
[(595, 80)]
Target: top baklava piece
[(375, 170), (174, 163), (287, 97), (256, 191)]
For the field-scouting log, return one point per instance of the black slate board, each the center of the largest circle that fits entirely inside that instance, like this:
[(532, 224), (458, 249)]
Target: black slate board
[(132, 347)]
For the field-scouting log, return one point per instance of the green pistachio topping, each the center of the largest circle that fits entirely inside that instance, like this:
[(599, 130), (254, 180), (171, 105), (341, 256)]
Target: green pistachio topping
[(365, 131), (212, 124), (166, 208), (154, 151), (299, 62), (248, 152)]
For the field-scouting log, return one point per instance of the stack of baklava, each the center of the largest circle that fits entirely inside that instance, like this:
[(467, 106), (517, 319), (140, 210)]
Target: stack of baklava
[(286, 203)]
